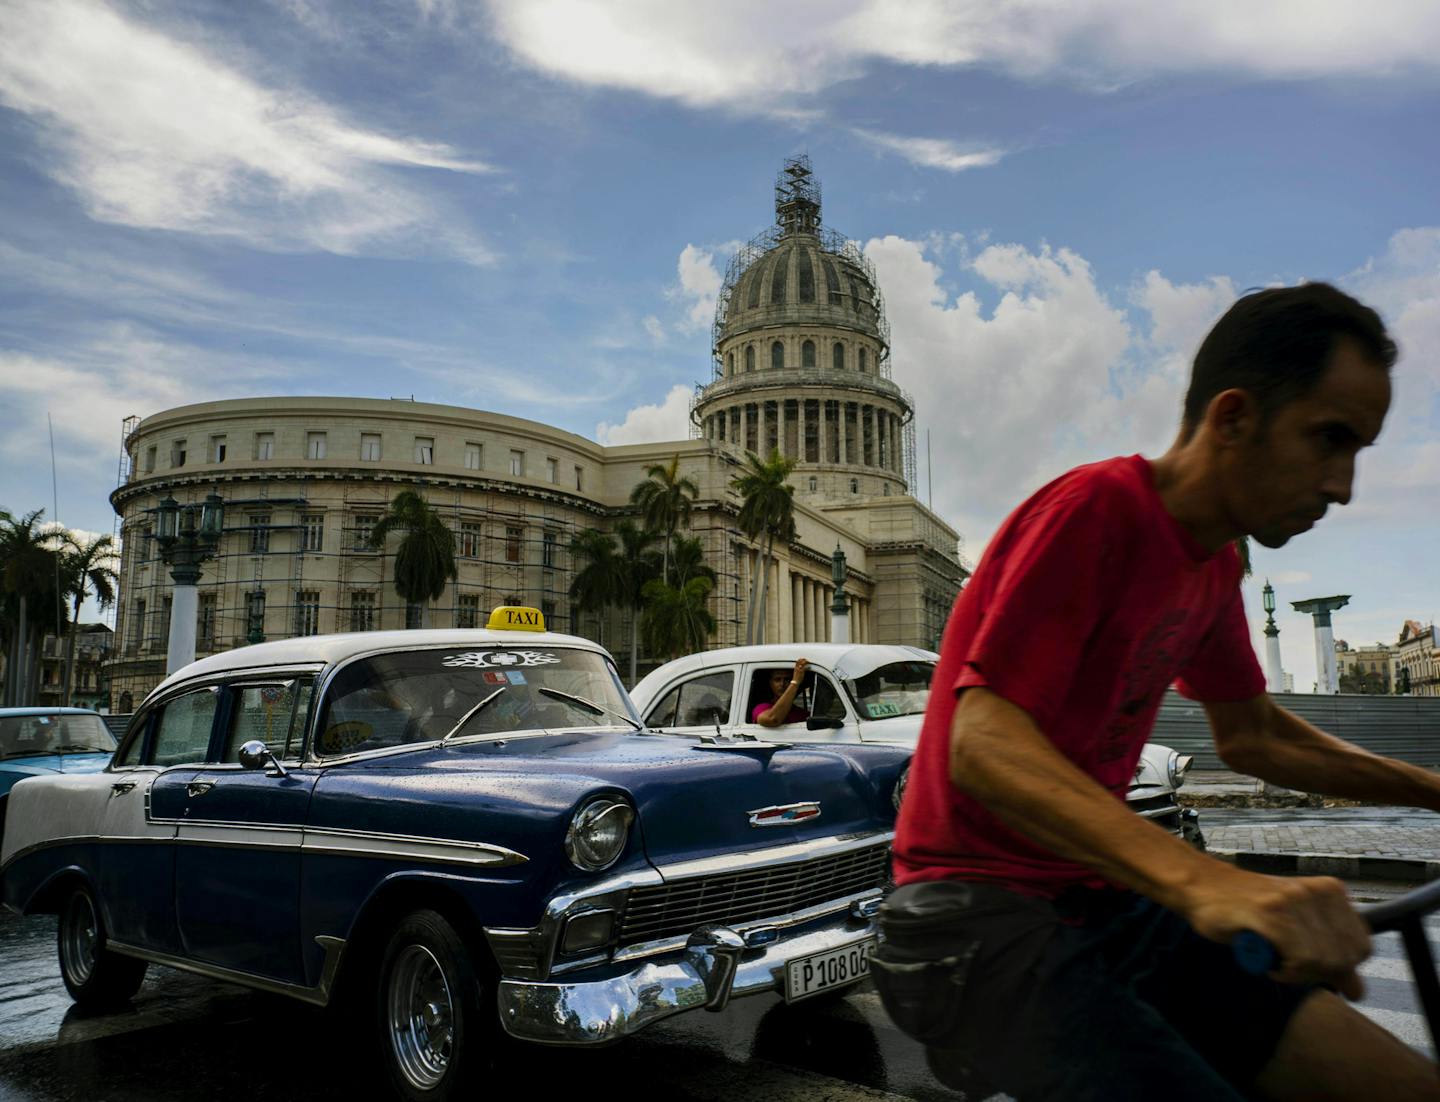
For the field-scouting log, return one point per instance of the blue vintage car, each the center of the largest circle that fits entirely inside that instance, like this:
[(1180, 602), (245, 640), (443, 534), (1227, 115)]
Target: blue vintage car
[(35, 742), (453, 831)]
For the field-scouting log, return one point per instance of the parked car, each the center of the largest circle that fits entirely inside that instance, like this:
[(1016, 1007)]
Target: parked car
[(457, 830), (856, 692), (35, 742)]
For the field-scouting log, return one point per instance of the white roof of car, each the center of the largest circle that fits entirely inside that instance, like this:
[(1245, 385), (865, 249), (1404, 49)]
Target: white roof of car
[(849, 659), (327, 649)]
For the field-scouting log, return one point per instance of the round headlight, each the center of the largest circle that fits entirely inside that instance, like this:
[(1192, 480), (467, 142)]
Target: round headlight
[(898, 793), (1177, 766), (598, 833)]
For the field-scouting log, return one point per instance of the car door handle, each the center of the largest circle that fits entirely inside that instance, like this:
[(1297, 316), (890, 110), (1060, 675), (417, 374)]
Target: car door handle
[(119, 788), (198, 788)]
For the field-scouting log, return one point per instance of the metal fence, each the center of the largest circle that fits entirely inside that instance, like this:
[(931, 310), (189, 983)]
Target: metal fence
[(1404, 727)]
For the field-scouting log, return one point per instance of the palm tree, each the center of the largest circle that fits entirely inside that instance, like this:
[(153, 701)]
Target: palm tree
[(26, 567), (665, 499), (425, 560), (767, 511), (85, 566), (640, 565), (676, 619), (1242, 546), (601, 580), (690, 560)]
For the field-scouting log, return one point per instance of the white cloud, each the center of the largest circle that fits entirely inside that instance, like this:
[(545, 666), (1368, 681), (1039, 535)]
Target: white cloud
[(151, 131), (932, 152), (757, 56), (654, 328), (699, 284), (669, 420)]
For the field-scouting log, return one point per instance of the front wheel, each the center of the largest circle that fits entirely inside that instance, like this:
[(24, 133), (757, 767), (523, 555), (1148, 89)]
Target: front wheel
[(94, 976), (431, 1011)]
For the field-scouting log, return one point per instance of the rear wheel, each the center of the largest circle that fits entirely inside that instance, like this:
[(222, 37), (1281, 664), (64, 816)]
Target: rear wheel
[(94, 976), (434, 1028)]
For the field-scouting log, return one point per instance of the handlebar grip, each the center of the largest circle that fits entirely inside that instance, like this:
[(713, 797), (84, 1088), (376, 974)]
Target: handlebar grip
[(1254, 953)]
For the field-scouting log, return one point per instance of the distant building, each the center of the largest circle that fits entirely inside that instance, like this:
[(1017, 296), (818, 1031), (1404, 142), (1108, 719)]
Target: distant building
[(1416, 660), (89, 686), (801, 363), (1366, 670)]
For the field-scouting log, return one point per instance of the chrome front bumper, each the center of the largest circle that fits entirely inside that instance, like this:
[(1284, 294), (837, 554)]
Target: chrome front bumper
[(718, 963)]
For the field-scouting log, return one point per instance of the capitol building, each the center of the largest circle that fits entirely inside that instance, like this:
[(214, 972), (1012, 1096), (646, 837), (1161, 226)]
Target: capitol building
[(801, 362)]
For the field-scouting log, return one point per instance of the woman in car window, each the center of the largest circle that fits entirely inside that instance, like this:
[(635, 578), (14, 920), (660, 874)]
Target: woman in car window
[(781, 708)]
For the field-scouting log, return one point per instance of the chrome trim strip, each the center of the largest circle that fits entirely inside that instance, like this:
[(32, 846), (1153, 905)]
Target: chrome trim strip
[(775, 855), (318, 995)]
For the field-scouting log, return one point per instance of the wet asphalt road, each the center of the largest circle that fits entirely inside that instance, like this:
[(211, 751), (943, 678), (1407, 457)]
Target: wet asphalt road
[(1320, 816), (189, 1038)]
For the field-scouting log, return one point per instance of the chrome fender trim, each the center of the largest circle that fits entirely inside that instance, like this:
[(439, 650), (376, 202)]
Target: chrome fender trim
[(319, 995)]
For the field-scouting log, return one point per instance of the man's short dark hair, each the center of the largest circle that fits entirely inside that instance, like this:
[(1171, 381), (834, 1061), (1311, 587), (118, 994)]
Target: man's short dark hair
[(1277, 343)]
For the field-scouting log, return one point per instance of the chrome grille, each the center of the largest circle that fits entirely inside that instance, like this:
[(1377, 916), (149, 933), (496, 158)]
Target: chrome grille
[(677, 908)]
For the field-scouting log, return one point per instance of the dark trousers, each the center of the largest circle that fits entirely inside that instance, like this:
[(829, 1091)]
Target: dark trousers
[(1098, 995)]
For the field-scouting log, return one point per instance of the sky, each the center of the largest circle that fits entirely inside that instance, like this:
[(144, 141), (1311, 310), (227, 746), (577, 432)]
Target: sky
[(528, 205)]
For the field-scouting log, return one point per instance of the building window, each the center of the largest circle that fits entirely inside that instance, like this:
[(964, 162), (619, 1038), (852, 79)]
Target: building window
[(205, 622), (424, 450), (218, 448), (729, 363), (547, 610), (162, 621), (750, 357), (515, 599), (777, 355), (370, 447), (362, 610), (854, 485), (547, 549), (264, 445), (255, 614), (315, 445), (472, 457), (863, 359), (837, 356), (137, 627), (259, 533), (807, 354), (307, 612), (177, 454), (313, 532), (470, 540), (467, 613), (552, 470), (147, 543), (885, 490), (364, 525), (579, 478), (513, 536), (517, 463), (814, 483), (150, 453)]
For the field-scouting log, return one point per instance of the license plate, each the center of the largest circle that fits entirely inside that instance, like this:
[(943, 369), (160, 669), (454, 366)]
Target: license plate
[(806, 976)]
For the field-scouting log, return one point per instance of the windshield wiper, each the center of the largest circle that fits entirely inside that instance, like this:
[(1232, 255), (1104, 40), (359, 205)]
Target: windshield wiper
[(78, 747), (587, 705), (468, 715)]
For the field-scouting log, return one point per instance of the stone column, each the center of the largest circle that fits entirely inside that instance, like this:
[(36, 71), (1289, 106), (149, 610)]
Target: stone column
[(1320, 608), (797, 607), (844, 432), (824, 428)]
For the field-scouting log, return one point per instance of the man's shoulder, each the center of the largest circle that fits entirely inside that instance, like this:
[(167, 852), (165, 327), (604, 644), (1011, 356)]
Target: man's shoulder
[(1110, 487)]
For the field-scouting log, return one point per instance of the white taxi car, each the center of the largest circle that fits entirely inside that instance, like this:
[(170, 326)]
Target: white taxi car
[(852, 692)]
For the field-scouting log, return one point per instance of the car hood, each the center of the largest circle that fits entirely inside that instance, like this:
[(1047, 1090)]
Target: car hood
[(42, 765), (522, 792)]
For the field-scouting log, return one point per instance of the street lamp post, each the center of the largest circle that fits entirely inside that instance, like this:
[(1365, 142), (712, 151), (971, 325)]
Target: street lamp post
[(1274, 672), (187, 535), (840, 606)]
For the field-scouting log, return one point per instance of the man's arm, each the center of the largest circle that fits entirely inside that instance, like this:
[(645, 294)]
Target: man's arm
[(1262, 739), (1002, 759)]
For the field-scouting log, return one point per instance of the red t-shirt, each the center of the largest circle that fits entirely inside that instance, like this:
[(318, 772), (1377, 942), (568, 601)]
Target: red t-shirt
[(1090, 600)]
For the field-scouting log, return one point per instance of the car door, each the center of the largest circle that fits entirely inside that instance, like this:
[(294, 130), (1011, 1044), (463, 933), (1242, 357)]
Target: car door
[(819, 696), (237, 858), (145, 801), (697, 705)]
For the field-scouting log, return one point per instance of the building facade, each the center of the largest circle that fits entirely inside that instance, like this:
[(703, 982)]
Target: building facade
[(304, 480)]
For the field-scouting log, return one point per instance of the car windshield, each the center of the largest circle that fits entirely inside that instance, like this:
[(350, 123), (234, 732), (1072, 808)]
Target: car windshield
[(54, 733), (896, 689), (420, 696)]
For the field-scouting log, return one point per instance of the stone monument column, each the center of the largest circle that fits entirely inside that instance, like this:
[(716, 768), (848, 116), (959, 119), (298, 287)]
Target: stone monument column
[(1319, 608)]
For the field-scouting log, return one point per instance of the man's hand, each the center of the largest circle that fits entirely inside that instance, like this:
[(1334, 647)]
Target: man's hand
[(1308, 919)]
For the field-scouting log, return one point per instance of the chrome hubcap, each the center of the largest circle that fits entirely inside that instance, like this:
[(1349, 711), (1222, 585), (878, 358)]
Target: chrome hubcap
[(78, 939), (422, 1028)]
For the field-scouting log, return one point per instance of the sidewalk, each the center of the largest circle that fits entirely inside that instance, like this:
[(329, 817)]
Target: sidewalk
[(1348, 847)]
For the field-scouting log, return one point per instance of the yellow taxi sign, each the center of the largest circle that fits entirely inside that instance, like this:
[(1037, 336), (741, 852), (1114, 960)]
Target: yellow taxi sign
[(516, 618)]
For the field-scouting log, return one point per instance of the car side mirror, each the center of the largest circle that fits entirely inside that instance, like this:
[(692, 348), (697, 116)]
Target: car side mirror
[(256, 755), (820, 723)]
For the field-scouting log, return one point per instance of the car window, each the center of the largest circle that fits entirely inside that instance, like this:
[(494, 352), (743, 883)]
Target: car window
[(273, 713), (54, 733), (663, 714), (419, 696), (896, 689), (130, 753), (705, 701), (826, 702), (183, 734)]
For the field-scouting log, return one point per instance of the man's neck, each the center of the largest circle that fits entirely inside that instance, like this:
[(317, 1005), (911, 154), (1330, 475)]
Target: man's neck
[(1185, 481)]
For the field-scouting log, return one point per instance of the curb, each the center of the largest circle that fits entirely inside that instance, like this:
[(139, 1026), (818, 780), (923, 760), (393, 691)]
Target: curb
[(1411, 870)]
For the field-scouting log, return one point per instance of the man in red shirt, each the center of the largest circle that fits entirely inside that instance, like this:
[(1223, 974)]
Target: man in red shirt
[(1044, 940)]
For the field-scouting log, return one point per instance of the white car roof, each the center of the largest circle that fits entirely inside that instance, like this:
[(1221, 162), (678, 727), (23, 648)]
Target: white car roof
[(862, 657), (329, 649)]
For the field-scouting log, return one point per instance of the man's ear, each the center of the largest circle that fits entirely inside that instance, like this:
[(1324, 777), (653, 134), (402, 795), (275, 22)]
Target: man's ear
[(1232, 416)]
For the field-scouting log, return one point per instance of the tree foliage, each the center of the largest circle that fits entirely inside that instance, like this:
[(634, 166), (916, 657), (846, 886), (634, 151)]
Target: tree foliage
[(425, 559), (665, 499), (767, 513)]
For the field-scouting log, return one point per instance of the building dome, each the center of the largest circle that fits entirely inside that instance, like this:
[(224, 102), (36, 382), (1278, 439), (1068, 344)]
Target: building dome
[(802, 355)]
